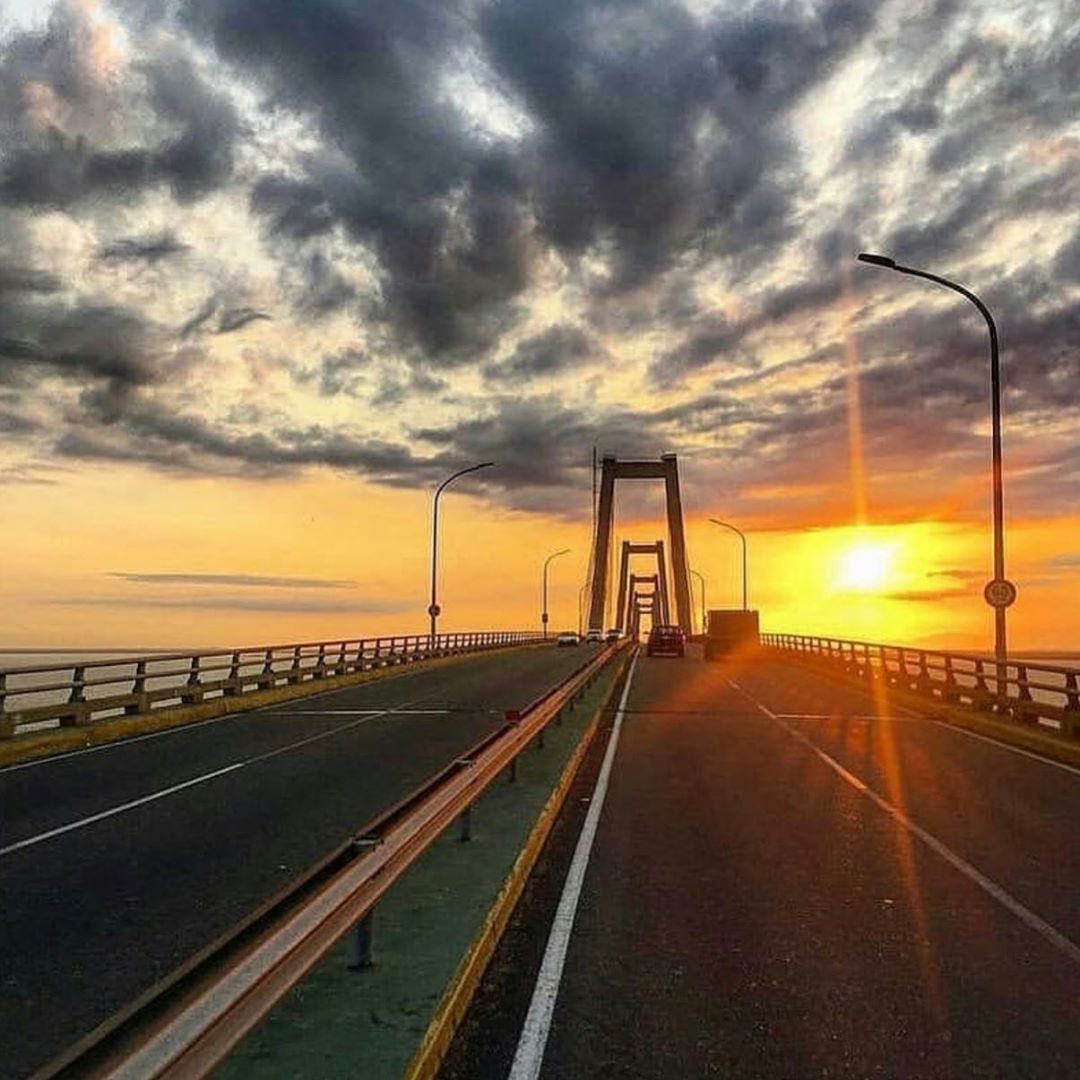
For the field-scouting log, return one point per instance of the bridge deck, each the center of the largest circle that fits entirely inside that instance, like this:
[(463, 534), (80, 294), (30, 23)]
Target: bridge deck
[(790, 878), (117, 864)]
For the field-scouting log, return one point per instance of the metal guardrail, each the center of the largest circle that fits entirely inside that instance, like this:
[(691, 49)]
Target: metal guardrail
[(1026, 691), (83, 691), (188, 1023)]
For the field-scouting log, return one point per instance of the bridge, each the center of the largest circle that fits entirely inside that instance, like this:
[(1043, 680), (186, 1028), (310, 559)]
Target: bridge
[(479, 855)]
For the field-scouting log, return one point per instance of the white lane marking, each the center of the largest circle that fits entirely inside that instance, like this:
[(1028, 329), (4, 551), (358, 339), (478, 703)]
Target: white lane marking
[(365, 712), (1007, 900), (81, 823), (180, 729), (842, 716), (534, 1033), (1006, 746)]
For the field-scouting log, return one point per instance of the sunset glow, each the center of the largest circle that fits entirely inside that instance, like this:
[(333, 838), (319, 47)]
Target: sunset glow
[(865, 567), (255, 306)]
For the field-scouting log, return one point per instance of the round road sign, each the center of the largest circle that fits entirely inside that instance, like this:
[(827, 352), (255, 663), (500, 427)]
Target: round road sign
[(1000, 593), (434, 610)]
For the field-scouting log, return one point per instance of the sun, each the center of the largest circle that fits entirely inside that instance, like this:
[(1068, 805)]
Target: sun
[(865, 567)]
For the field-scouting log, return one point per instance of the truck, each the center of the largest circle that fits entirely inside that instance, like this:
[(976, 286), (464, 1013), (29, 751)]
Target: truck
[(731, 631)]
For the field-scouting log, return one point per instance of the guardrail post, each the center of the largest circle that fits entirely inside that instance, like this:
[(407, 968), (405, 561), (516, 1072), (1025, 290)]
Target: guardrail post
[(7, 723), (923, 681), (360, 943), (465, 825), (233, 687), (951, 691), (76, 698), (1023, 696), (980, 694), (266, 679), (193, 694), (1070, 719), (295, 672), (320, 664), (341, 669), (138, 688)]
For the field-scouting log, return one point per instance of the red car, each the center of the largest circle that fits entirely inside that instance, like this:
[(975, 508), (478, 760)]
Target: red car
[(666, 641)]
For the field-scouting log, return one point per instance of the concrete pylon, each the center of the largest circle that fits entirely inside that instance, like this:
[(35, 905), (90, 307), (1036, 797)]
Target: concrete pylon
[(622, 617), (666, 469), (656, 599)]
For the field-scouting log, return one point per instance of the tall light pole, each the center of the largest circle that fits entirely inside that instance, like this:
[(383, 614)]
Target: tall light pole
[(581, 606), (434, 609), (553, 555), (1000, 592), (742, 537), (702, 580)]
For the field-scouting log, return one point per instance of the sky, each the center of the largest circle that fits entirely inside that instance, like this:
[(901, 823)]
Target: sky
[(271, 270)]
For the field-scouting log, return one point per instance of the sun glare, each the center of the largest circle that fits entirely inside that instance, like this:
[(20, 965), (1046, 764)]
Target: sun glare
[(865, 567)]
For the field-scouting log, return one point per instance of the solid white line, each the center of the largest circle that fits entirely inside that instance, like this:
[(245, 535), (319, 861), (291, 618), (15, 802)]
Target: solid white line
[(1006, 746), (1009, 902), (81, 823), (534, 1034), (366, 712)]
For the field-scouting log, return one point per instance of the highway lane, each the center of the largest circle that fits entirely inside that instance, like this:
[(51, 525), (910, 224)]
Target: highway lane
[(118, 864), (792, 879)]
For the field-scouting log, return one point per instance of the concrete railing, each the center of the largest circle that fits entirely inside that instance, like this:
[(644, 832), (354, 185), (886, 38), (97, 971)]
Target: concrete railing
[(1024, 690), (81, 692), (186, 1024)]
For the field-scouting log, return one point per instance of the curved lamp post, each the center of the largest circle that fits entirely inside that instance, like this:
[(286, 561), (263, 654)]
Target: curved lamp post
[(1000, 592), (434, 610), (739, 533), (702, 580), (553, 555)]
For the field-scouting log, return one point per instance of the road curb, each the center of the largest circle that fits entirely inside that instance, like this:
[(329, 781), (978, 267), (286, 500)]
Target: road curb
[(1010, 732), (37, 746), (458, 995)]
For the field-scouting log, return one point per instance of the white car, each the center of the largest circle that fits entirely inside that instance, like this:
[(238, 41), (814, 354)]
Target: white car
[(595, 636), (613, 634), (567, 637)]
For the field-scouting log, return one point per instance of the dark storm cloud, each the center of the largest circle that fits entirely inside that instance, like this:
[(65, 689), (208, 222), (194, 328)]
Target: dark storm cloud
[(141, 429), (26, 279), (237, 318), (85, 342), (234, 580), (286, 604), (324, 290), (149, 249), (554, 351), (622, 93), (45, 166)]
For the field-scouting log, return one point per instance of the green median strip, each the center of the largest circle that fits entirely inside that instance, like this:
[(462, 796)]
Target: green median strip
[(432, 935)]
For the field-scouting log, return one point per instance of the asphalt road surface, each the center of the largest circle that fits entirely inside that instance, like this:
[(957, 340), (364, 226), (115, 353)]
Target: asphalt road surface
[(117, 864), (792, 879)]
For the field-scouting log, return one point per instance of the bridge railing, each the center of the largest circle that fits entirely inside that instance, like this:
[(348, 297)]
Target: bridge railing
[(1025, 690), (82, 691)]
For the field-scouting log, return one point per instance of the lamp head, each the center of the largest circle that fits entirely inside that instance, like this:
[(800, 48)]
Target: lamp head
[(877, 260)]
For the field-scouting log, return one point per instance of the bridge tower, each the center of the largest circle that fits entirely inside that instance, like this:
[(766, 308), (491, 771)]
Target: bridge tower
[(666, 469), (656, 598), (626, 580)]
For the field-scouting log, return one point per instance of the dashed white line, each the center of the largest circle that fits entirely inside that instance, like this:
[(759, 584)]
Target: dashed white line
[(1007, 900), (82, 823), (534, 1033)]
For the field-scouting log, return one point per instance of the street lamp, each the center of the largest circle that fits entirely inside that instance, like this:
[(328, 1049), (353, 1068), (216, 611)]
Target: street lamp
[(1000, 592), (702, 580), (739, 533), (553, 555), (434, 609)]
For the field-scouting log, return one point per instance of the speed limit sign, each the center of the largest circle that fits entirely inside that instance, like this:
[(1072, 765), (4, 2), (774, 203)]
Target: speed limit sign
[(1000, 593)]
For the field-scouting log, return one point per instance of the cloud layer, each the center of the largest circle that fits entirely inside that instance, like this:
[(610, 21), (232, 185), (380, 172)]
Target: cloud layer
[(387, 237)]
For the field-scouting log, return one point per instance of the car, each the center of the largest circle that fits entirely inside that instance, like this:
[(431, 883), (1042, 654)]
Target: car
[(666, 641), (613, 634), (594, 636), (567, 637)]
